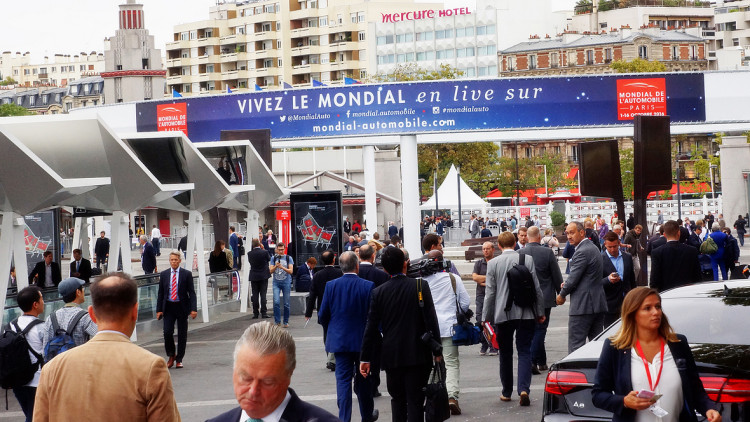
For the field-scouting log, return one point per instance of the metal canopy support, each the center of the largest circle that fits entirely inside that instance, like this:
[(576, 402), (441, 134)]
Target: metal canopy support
[(410, 195), (252, 233), (12, 244), (195, 245), (120, 243), (81, 237), (371, 202)]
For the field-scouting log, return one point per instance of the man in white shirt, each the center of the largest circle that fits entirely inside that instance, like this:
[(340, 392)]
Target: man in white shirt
[(448, 293), (264, 360), (31, 302), (155, 239)]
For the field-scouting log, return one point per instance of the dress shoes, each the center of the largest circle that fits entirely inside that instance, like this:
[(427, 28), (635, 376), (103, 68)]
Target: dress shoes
[(375, 415), (543, 368), (535, 369), (170, 361), (178, 365), (453, 406), (525, 401), (256, 316), (266, 316), (331, 366), (376, 393)]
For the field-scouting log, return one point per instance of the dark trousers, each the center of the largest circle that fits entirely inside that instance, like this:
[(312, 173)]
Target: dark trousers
[(157, 246), (405, 386), (173, 312), (100, 260), (259, 289), (538, 351), (524, 331), (582, 327), (347, 367), (741, 238), (26, 397)]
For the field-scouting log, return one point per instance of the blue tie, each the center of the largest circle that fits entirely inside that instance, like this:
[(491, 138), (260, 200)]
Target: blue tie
[(254, 420)]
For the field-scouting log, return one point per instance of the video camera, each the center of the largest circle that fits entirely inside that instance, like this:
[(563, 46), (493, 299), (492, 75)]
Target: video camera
[(427, 267)]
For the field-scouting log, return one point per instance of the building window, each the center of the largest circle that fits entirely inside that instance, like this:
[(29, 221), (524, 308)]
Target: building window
[(572, 61), (446, 33), (360, 17), (469, 72), (279, 64), (465, 52), (209, 68), (486, 30), (589, 57), (32, 101), (529, 152), (643, 52), (186, 88), (362, 73), (425, 55), (361, 36), (532, 61), (425, 36), (208, 33), (675, 52), (488, 50), (323, 21), (553, 60), (511, 66), (693, 52), (445, 54), (386, 59), (574, 153), (464, 32), (353, 17), (183, 36), (607, 55), (557, 150), (402, 38), (387, 39), (193, 34)]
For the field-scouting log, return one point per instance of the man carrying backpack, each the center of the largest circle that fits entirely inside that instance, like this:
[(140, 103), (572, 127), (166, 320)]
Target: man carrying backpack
[(70, 325), (18, 371), (514, 302)]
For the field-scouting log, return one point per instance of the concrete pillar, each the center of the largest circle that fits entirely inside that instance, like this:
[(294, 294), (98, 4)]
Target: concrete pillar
[(371, 202), (119, 244), (410, 195), (735, 175), (7, 241), (81, 237)]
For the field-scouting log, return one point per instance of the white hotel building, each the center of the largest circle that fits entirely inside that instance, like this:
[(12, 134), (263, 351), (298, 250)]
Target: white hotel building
[(463, 38)]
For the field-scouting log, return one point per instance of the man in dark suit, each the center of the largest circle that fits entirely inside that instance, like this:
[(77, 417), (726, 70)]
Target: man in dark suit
[(148, 255), (367, 269), (305, 275), (343, 314), (314, 299), (658, 241), (259, 274), (175, 301), (101, 250), (674, 264), (618, 277), (392, 229), (407, 359), (80, 267), (46, 273), (587, 301), (550, 278), (695, 237), (266, 352)]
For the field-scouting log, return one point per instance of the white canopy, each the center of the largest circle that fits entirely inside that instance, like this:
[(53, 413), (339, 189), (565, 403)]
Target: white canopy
[(448, 194)]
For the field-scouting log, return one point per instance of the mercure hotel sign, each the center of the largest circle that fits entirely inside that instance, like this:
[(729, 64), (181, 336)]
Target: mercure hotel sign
[(423, 14)]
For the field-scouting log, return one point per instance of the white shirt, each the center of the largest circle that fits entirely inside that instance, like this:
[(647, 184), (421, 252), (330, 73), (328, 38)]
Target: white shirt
[(35, 338), (274, 416), (48, 276), (670, 385), (445, 300), (155, 233)]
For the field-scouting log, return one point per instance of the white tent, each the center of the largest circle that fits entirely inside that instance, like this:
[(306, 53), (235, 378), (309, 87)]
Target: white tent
[(448, 195)]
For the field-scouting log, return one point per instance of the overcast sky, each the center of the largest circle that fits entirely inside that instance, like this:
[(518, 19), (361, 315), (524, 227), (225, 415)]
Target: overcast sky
[(49, 27)]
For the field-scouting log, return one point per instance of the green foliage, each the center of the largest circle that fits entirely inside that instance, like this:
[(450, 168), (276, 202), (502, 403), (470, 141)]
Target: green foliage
[(626, 168), (637, 66), (584, 6), (605, 5), (412, 72), (476, 159), (13, 110), (8, 81), (558, 218)]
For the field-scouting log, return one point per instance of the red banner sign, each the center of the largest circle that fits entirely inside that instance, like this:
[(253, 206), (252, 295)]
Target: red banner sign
[(283, 215), (172, 118), (641, 96)]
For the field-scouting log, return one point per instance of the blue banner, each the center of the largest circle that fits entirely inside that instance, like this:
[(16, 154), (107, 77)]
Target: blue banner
[(436, 106)]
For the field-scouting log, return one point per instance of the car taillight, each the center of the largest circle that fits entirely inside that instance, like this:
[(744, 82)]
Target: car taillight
[(563, 382), (723, 390)]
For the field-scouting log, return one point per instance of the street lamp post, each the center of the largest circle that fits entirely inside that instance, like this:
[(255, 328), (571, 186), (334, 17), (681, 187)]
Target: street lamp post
[(546, 191), (711, 170)]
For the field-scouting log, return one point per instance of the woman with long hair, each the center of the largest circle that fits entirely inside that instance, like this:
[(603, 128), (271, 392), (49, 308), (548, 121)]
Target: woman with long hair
[(217, 259), (646, 372)]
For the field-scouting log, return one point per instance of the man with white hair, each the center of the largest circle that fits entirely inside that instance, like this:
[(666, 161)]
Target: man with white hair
[(264, 360), (148, 255)]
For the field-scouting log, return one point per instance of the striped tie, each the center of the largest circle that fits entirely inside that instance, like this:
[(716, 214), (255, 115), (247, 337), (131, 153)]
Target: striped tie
[(173, 296)]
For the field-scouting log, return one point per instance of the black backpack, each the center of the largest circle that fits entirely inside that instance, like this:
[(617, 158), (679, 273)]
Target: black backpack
[(16, 369), (521, 287), (63, 339)]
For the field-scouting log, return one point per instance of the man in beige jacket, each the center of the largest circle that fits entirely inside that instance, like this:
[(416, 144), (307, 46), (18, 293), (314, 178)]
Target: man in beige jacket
[(108, 377)]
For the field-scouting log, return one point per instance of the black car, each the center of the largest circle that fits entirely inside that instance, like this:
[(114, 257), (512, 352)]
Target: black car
[(715, 318)]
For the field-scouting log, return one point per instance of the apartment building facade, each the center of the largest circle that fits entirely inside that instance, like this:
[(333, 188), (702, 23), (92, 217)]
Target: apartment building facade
[(729, 47), (573, 53), (272, 43), (84, 92), (61, 70)]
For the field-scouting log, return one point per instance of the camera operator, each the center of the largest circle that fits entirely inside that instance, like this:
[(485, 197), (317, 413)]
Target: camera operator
[(406, 356), (430, 242), (448, 292)]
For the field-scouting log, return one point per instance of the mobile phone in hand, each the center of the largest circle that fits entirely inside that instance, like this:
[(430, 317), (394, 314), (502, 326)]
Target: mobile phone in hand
[(645, 394)]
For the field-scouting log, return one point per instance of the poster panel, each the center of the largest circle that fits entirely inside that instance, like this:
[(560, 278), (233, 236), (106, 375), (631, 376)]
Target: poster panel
[(316, 224)]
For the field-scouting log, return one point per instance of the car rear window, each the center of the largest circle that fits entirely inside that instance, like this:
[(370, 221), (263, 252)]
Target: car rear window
[(705, 319)]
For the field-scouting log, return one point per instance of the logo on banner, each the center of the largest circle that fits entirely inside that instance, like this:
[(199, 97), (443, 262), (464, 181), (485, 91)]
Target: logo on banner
[(172, 118), (641, 96)]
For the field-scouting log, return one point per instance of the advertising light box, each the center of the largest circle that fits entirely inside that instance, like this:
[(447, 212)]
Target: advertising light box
[(436, 106)]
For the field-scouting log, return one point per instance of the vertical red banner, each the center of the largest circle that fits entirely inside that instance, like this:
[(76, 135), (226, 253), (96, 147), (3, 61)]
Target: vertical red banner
[(172, 117)]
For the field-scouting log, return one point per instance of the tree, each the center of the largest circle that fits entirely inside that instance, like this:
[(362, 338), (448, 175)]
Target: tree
[(411, 72), (13, 110), (8, 81), (626, 170), (637, 66)]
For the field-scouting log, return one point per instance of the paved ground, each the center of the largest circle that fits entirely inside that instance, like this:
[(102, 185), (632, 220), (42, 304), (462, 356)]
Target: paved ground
[(204, 388)]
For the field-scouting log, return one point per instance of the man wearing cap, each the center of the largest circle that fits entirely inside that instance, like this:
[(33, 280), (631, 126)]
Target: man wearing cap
[(72, 292)]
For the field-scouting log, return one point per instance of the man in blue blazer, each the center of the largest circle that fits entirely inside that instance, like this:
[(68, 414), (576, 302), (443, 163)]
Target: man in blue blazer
[(175, 301), (343, 314), (148, 255), (264, 360), (618, 276)]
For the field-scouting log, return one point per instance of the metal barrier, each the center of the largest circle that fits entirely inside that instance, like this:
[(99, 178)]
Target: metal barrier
[(222, 287)]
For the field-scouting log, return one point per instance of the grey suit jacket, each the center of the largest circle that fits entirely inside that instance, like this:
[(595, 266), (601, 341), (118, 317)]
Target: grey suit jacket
[(584, 282), (496, 290), (547, 270)]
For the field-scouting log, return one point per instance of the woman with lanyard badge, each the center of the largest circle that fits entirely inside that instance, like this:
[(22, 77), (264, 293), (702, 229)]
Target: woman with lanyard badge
[(646, 372)]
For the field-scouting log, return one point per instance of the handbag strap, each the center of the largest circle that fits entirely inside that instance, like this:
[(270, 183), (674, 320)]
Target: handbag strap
[(455, 295)]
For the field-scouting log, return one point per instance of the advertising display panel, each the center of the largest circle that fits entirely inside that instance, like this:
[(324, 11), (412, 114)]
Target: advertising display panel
[(40, 235), (433, 106), (316, 223)]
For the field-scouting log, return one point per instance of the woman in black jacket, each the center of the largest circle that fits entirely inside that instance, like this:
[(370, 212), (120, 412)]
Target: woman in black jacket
[(646, 354), (217, 260)]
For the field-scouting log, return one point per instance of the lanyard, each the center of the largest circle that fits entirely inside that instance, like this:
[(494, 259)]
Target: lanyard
[(645, 364)]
